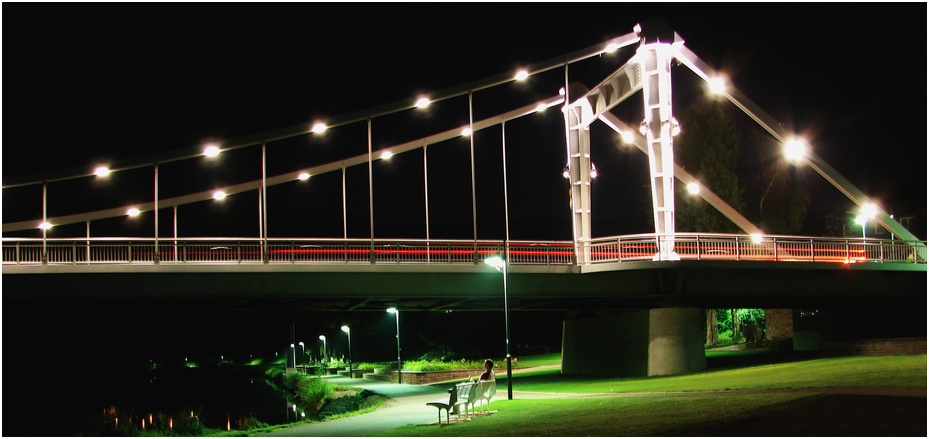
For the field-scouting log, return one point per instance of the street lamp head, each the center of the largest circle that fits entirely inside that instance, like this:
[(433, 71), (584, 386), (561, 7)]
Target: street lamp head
[(322, 337), (795, 150), (869, 210), (392, 310), (522, 74), (717, 85), (101, 171), (861, 220), (422, 102), (496, 262), (319, 127), (301, 343), (345, 329), (211, 151)]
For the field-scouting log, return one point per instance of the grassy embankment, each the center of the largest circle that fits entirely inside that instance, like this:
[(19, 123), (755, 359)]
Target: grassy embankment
[(609, 415)]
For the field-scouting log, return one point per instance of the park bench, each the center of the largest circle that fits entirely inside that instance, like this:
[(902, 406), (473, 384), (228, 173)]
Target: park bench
[(457, 397), (465, 394)]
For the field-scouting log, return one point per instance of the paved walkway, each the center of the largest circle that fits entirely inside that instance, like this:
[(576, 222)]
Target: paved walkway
[(407, 405)]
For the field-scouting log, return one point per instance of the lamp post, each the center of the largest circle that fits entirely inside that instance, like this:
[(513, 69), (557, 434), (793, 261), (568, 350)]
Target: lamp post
[(348, 332), (302, 355), (396, 312), (293, 355), (325, 353), (500, 265)]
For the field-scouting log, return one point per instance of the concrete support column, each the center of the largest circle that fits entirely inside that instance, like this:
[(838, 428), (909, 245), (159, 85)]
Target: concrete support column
[(675, 341), (662, 341)]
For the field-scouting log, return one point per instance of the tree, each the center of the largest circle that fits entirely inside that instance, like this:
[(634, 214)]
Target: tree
[(735, 324), (782, 204), (708, 149), (712, 334)]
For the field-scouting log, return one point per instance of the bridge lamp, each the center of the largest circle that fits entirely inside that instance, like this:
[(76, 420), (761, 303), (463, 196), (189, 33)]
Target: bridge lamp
[(45, 226), (132, 212), (348, 332), (211, 151), (756, 238), (862, 221), (396, 313), (627, 136), (219, 195), (693, 188), (500, 265), (567, 172), (522, 74), (611, 47), (325, 352), (303, 176), (319, 127), (795, 150), (593, 170), (717, 85), (101, 171), (869, 210), (423, 102), (561, 91), (466, 132)]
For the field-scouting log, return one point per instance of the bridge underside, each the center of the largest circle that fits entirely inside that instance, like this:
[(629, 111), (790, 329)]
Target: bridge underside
[(629, 285)]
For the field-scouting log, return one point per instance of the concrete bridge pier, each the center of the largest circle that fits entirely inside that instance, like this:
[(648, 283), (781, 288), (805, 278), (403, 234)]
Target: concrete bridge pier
[(654, 342)]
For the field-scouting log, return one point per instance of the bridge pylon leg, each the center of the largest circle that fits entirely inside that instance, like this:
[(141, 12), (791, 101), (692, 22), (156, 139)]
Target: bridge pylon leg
[(578, 115), (659, 127)]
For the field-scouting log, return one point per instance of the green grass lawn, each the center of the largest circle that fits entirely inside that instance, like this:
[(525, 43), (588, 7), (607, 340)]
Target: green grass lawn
[(907, 371), (639, 416), (663, 416)]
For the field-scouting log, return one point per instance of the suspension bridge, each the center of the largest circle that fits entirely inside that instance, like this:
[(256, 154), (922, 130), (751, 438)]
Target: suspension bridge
[(434, 268)]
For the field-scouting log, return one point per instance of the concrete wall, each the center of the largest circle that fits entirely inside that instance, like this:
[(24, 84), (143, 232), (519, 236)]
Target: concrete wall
[(661, 341), (897, 346), (779, 323)]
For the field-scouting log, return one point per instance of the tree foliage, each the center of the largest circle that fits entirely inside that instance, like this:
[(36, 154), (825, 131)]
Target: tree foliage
[(708, 149), (782, 203)]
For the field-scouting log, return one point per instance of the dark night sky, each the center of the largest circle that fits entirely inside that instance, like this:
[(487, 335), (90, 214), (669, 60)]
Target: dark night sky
[(89, 83)]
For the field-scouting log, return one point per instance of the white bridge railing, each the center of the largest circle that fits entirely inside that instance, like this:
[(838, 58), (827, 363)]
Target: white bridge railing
[(230, 251)]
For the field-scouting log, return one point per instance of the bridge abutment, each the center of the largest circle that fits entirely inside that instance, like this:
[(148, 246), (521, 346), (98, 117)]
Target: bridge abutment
[(661, 341)]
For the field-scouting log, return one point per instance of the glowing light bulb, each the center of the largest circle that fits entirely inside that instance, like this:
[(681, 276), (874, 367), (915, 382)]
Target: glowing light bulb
[(627, 136), (303, 176), (795, 150), (387, 155), (522, 74), (422, 102), (717, 85), (211, 151), (219, 195), (693, 188), (102, 171), (466, 132), (319, 127), (132, 212)]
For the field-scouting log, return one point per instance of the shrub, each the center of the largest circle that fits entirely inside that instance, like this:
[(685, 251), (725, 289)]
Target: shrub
[(308, 393), (370, 365), (436, 365)]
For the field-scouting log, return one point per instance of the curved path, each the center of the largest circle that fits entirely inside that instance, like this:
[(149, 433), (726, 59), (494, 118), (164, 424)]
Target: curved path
[(407, 405)]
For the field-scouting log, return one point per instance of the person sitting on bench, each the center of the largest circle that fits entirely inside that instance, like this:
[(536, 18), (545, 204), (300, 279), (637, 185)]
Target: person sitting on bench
[(488, 374)]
